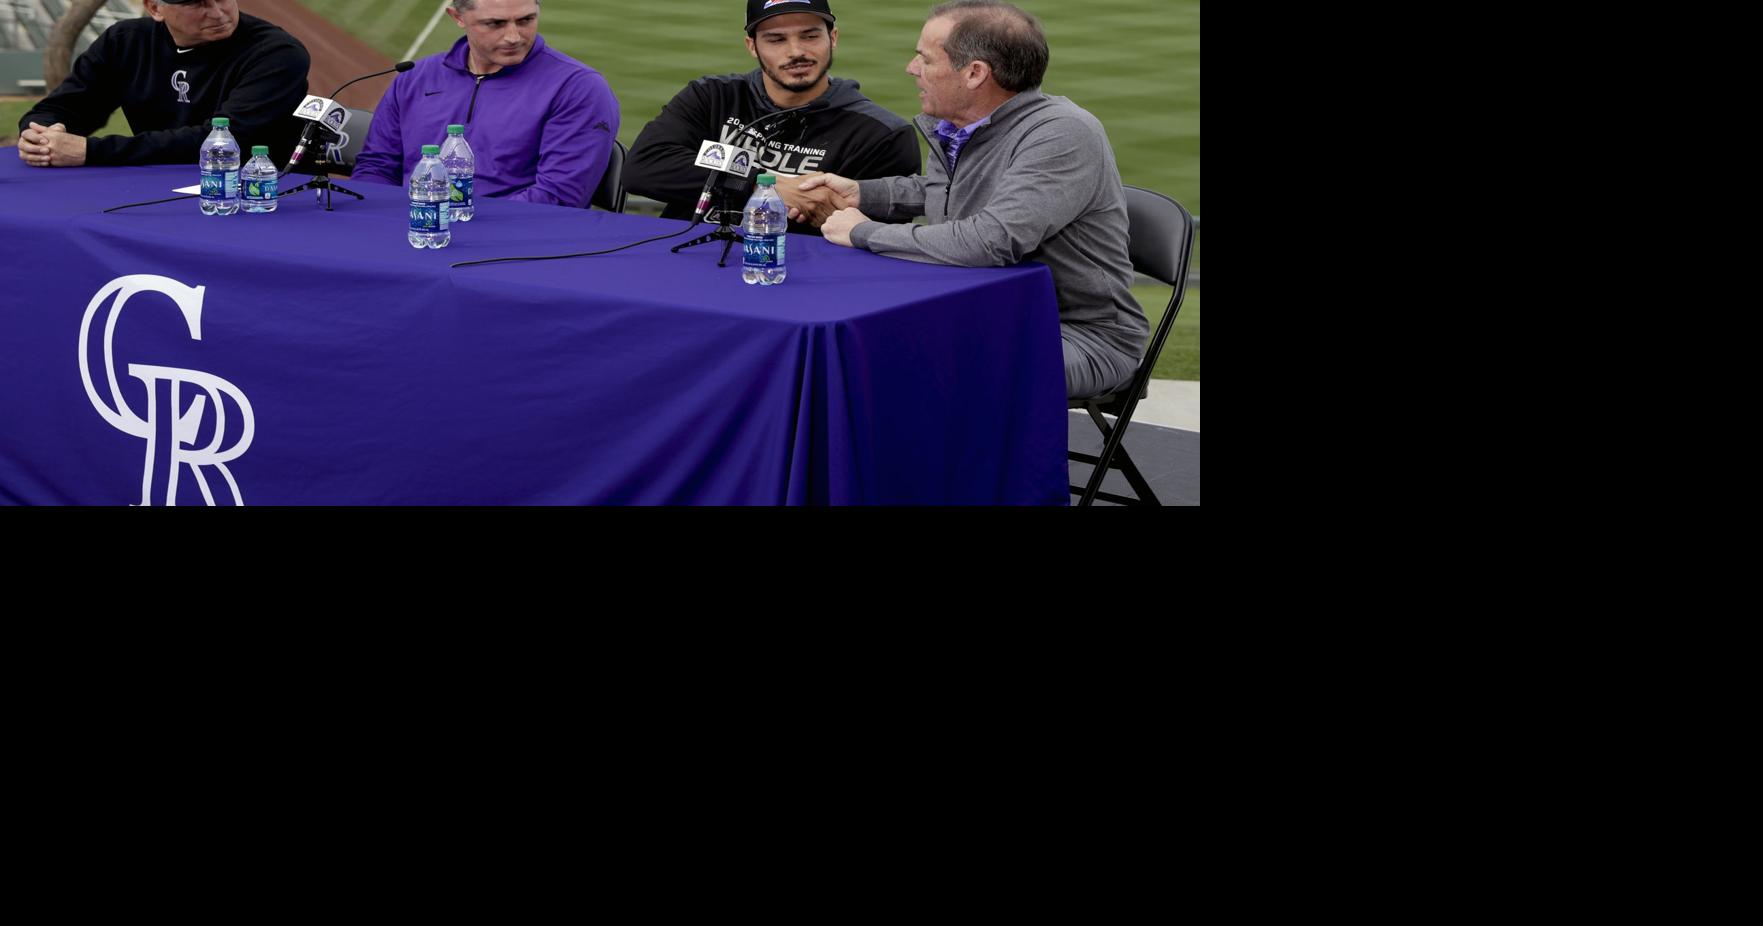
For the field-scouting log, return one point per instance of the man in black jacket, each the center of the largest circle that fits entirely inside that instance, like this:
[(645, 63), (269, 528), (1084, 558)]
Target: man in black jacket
[(171, 72), (842, 131)]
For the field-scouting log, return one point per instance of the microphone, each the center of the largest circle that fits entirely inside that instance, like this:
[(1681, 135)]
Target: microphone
[(400, 67), (711, 156), (317, 111), (704, 198), (322, 112), (716, 171)]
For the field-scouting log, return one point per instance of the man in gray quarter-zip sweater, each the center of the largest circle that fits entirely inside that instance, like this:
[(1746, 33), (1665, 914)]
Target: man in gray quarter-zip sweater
[(1013, 175)]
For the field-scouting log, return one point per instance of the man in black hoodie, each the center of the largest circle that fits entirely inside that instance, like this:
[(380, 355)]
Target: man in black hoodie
[(841, 131), (171, 72)]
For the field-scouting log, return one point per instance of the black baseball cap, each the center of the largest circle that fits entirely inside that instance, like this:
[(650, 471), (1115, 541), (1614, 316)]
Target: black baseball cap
[(758, 10)]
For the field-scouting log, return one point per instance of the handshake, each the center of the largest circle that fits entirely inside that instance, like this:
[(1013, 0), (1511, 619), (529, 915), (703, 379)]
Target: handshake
[(826, 201)]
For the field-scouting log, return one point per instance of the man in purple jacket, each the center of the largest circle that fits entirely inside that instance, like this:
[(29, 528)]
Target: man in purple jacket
[(540, 123)]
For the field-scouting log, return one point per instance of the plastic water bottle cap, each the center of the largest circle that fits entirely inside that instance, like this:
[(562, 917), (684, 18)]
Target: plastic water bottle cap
[(767, 179), (456, 130), (260, 151), (431, 149), (221, 122)]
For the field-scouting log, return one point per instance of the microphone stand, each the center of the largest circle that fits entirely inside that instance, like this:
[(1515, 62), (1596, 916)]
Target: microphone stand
[(724, 231), (321, 183), (324, 185)]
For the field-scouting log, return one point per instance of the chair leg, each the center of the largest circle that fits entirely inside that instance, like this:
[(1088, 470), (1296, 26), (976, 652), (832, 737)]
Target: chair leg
[(1101, 468), (1101, 422), (1140, 486), (1115, 455)]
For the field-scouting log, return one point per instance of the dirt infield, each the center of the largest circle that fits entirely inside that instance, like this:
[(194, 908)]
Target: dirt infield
[(337, 56)]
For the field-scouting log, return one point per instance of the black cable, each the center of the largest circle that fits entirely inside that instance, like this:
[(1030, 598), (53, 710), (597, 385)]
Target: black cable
[(154, 202), (622, 247)]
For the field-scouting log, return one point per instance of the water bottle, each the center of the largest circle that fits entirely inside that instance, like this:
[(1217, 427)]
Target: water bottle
[(220, 170), (762, 225), (261, 181), (461, 172), (428, 201)]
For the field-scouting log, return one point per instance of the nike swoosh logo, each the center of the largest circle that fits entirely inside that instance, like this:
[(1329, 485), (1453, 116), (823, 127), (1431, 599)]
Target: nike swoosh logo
[(433, 92), (185, 51)]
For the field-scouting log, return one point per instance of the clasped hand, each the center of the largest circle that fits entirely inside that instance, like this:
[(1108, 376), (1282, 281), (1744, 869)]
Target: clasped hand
[(814, 197), (51, 146)]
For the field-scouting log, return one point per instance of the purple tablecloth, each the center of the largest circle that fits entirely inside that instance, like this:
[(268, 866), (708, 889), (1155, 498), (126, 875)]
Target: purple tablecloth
[(323, 361)]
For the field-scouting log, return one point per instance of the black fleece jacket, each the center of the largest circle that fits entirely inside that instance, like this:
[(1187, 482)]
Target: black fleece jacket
[(843, 132), (255, 77)]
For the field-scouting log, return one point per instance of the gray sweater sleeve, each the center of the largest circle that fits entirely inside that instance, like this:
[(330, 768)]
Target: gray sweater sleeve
[(891, 199), (1051, 180)]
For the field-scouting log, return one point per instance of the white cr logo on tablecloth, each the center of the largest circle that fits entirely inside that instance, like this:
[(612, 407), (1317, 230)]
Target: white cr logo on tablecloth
[(184, 428)]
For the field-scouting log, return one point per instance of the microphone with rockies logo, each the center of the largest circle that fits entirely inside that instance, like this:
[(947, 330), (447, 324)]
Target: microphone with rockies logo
[(326, 118)]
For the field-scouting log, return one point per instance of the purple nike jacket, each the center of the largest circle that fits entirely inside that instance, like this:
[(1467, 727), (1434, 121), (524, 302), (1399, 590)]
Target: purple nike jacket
[(540, 130)]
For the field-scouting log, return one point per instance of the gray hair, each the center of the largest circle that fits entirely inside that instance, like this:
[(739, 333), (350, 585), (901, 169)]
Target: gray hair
[(1005, 36)]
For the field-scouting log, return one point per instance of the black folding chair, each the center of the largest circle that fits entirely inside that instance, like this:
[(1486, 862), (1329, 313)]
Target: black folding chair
[(610, 194), (1162, 242), (360, 120)]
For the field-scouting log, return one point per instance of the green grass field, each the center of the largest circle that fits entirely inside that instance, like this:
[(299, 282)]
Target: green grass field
[(1181, 355), (10, 110)]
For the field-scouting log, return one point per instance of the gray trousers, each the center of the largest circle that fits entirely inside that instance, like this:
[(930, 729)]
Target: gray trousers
[(1092, 365)]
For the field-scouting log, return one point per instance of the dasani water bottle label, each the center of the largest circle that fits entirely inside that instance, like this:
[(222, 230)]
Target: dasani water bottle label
[(762, 251), (427, 217)]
